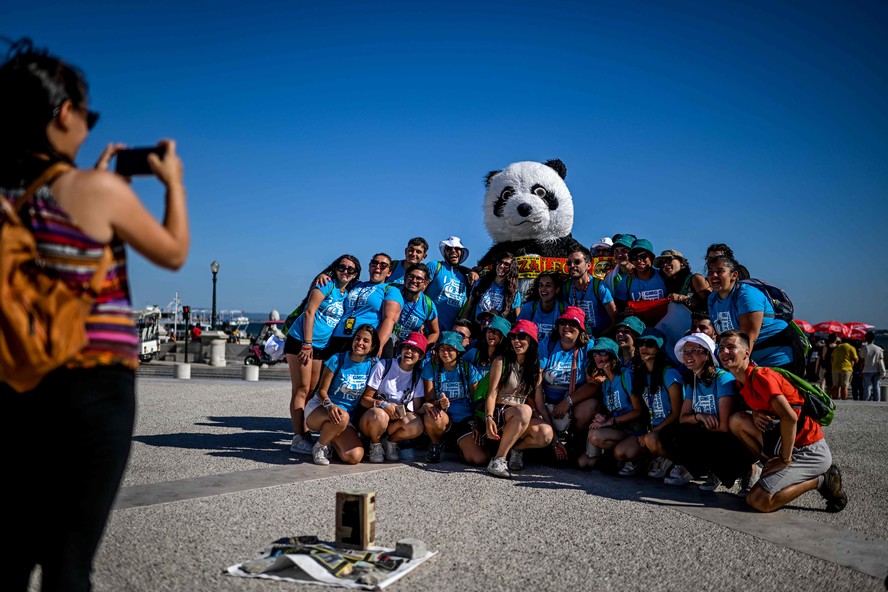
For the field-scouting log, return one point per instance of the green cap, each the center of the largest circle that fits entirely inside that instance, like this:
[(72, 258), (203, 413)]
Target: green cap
[(453, 339), (605, 344), (500, 324), (634, 324)]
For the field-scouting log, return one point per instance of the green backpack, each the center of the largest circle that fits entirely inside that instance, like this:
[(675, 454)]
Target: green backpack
[(817, 405)]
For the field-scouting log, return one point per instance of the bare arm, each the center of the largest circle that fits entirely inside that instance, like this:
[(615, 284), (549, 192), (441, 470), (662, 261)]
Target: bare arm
[(434, 331), (751, 324), (391, 310), (675, 401)]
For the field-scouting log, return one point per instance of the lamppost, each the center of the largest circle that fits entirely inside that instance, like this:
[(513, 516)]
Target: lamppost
[(214, 267)]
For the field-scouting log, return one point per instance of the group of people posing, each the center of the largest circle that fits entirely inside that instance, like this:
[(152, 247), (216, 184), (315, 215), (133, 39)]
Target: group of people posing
[(449, 358)]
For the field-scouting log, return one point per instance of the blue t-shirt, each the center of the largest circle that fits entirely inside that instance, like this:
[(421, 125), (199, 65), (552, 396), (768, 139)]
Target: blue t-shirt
[(616, 394), (455, 385), (448, 289), (632, 289), (555, 364), (658, 403), (743, 299), (325, 319), (365, 303), (493, 300), (706, 398), (591, 302), (398, 271), (471, 356), (349, 379), (414, 316), (532, 311)]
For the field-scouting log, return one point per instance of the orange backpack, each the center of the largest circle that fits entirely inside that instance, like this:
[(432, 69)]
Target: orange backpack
[(42, 321)]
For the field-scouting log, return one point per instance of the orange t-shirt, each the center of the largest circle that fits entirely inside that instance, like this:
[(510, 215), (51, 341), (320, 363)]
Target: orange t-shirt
[(767, 384)]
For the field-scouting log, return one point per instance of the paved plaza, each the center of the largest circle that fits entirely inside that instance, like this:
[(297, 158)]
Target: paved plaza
[(211, 481)]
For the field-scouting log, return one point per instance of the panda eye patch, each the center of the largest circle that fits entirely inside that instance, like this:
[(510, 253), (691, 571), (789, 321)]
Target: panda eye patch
[(502, 199), (546, 196)]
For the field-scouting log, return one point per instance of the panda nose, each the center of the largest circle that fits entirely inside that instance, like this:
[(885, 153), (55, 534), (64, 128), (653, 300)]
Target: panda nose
[(525, 210)]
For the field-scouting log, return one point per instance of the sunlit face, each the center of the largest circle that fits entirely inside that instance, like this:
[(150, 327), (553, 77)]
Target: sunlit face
[(670, 266), (415, 281), (694, 356), (362, 343), (493, 337), (410, 356), (447, 353), (721, 278), (380, 269), (503, 267), (413, 254), (621, 254), (568, 329), (345, 270), (520, 342), (465, 333), (546, 289), (732, 352), (641, 260), (577, 266), (452, 255)]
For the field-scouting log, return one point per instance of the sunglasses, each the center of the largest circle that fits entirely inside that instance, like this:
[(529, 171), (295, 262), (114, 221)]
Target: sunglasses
[(463, 335), (694, 351), (379, 264), (519, 336), (415, 278), (92, 118), (576, 261), (648, 343), (567, 323), (449, 249), (347, 270), (639, 256), (504, 264)]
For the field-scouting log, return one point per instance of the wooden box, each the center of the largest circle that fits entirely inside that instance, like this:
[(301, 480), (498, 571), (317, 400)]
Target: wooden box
[(356, 519)]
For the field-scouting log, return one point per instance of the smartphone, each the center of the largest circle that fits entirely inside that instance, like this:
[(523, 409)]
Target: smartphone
[(134, 161)]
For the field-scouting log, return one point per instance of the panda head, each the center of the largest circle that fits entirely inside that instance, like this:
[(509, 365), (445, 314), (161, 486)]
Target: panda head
[(528, 200)]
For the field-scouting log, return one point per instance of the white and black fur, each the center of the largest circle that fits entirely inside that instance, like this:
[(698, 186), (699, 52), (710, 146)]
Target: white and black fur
[(528, 210)]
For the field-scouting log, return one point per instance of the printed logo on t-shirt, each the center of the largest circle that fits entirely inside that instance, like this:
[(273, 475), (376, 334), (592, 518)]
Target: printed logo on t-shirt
[(723, 322), (352, 387), (654, 402), (651, 294), (557, 375), (333, 313), (453, 390), (706, 404), (453, 292)]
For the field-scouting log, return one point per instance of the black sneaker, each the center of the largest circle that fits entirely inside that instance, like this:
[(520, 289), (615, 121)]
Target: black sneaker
[(433, 455), (832, 491)]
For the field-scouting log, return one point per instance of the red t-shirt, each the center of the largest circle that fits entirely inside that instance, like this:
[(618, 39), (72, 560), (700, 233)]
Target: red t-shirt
[(767, 384)]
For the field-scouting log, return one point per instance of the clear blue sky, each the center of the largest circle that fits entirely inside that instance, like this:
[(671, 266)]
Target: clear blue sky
[(313, 129)]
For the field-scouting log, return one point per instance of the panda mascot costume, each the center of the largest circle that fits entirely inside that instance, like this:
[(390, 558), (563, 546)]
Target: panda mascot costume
[(528, 212)]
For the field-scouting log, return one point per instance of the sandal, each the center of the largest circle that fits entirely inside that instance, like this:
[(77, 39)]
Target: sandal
[(560, 450)]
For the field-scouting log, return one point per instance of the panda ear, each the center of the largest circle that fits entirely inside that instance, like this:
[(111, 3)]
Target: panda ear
[(490, 176), (559, 167)]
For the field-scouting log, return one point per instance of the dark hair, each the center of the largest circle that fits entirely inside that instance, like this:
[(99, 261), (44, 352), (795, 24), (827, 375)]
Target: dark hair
[(418, 241), (587, 254), (34, 87), (386, 255), (706, 375), (533, 290), (699, 315), (640, 372), (725, 260), (743, 337), (869, 336), (420, 267), (593, 370), (484, 358), (725, 249), (675, 283), (329, 270), (530, 370), (470, 325), (510, 290), (374, 337)]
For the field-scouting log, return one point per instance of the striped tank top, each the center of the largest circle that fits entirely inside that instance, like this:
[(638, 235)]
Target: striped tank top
[(73, 256)]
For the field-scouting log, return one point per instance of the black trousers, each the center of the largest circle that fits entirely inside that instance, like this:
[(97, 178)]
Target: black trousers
[(65, 446)]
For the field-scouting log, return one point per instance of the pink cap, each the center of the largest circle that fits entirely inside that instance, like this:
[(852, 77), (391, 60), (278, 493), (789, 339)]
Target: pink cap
[(417, 340), (576, 314), (525, 326)]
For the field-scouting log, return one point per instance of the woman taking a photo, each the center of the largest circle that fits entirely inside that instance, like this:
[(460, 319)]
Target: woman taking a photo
[(447, 413), (308, 336), (388, 397), (81, 220), (509, 419), (334, 411), (623, 419)]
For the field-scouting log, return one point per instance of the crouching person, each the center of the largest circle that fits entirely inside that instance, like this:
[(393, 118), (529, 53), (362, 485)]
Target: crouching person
[(388, 398), (795, 454)]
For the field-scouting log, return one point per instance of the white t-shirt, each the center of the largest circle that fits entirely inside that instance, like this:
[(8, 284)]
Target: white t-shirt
[(395, 386)]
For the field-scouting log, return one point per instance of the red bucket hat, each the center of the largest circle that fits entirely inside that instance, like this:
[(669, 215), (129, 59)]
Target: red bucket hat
[(417, 340), (528, 327), (576, 314)]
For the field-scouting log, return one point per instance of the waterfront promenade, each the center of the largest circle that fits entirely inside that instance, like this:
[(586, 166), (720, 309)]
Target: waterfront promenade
[(211, 481)]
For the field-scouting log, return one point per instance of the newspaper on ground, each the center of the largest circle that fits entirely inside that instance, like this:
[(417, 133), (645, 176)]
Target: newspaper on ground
[(305, 560)]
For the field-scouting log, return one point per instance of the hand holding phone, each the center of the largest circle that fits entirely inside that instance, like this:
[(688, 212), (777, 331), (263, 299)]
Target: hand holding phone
[(134, 161)]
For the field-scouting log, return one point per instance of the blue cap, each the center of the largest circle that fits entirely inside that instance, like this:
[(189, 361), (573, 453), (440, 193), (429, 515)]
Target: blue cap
[(500, 324), (634, 324), (654, 334), (453, 339), (607, 345)]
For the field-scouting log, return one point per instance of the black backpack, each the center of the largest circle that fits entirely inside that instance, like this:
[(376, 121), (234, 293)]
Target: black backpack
[(783, 308)]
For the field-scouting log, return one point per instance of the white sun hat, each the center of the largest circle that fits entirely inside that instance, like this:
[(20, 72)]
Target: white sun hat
[(454, 241), (700, 339)]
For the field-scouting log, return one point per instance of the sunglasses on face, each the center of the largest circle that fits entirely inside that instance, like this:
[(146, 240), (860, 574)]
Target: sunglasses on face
[(504, 264), (519, 336), (568, 324), (624, 330), (379, 264), (464, 336), (92, 118), (451, 249), (347, 270), (639, 256), (576, 261), (647, 343)]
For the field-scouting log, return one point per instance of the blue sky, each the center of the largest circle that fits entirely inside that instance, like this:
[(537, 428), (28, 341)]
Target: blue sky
[(313, 129)]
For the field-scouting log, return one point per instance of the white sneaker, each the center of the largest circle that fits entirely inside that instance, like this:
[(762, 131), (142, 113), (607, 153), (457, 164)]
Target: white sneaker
[(376, 454), (659, 468), (301, 445), (319, 454), (498, 467), (678, 476), (747, 482), (392, 453), (628, 469), (711, 484), (516, 460)]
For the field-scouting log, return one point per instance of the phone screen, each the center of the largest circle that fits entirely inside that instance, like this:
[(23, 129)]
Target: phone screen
[(134, 161)]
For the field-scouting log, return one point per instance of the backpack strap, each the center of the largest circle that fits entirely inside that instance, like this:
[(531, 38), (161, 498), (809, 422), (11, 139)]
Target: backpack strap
[(48, 176)]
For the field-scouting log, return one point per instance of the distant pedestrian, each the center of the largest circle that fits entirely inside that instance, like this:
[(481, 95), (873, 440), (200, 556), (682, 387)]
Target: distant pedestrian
[(873, 368), (843, 360)]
